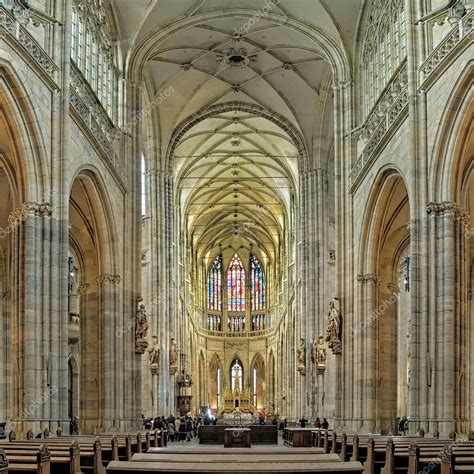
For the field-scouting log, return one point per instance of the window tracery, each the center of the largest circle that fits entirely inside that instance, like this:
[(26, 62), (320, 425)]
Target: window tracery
[(384, 48), (236, 285), (215, 285), (92, 51), (257, 285)]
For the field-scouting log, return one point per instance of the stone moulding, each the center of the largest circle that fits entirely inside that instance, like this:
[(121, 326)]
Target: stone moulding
[(17, 34), (462, 30), (107, 278), (382, 122), (96, 123), (449, 209), (29, 209)]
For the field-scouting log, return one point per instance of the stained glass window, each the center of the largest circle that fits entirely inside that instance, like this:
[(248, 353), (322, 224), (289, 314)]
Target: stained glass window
[(257, 285), (236, 376), (236, 285), (214, 285)]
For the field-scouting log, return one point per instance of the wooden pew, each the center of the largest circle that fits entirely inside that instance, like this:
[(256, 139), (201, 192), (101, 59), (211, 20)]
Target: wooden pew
[(3, 463), (62, 460), (90, 455), (275, 451), (38, 462), (229, 457), (135, 467)]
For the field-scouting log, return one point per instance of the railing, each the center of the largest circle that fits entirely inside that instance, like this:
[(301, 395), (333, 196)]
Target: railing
[(83, 100), (463, 29), (379, 123), (18, 33), (223, 334)]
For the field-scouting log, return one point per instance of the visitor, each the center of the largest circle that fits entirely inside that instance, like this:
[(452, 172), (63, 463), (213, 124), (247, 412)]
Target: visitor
[(325, 424), (171, 433), (182, 429), (403, 426), (189, 428), (317, 423), (274, 421), (303, 422)]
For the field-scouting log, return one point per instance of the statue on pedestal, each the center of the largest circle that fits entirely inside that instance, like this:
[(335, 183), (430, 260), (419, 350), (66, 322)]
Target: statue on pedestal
[(333, 332), (301, 354), (319, 354), (141, 330), (173, 356), (154, 356)]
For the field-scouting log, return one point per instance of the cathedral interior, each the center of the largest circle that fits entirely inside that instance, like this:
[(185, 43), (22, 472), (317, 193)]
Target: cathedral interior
[(262, 206)]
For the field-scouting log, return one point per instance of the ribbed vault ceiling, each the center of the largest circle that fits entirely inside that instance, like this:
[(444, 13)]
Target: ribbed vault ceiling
[(237, 175), (237, 172)]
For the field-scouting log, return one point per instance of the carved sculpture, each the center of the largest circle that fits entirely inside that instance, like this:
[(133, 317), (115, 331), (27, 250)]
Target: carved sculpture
[(173, 356), (154, 356), (141, 330), (319, 354), (301, 354), (333, 332)]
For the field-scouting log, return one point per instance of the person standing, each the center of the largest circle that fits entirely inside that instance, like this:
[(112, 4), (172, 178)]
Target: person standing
[(303, 422), (325, 424), (317, 423)]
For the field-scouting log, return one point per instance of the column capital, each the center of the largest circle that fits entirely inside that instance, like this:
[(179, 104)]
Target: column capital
[(107, 278), (448, 209), (83, 289), (368, 277), (29, 208)]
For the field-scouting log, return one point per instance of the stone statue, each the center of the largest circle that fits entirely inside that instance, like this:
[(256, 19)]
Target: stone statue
[(173, 356), (141, 330), (154, 356), (141, 323), (319, 354), (333, 332), (301, 354)]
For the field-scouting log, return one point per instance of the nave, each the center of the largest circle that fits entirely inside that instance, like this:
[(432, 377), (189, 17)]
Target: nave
[(253, 213)]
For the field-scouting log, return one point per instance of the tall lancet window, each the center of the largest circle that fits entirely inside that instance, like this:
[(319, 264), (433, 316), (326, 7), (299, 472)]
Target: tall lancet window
[(214, 285), (236, 376), (236, 285), (257, 285)]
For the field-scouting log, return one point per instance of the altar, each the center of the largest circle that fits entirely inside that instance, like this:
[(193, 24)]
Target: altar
[(238, 400), (237, 438)]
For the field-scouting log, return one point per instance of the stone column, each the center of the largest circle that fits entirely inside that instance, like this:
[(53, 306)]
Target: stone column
[(369, 344), (5, 358), (110, 367), (313, 267), (36, 345), (161, 301), (448, 223)]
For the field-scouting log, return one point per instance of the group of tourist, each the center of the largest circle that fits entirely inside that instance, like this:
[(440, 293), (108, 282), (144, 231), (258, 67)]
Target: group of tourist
[(324, 425), (178, 428)]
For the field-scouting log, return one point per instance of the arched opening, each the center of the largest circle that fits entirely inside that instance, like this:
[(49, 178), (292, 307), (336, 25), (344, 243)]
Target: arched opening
[(73, 390), (91, 299), (216, 384), (258, 383), (385, 293), (271, 384), (6, 268), (202, 379)]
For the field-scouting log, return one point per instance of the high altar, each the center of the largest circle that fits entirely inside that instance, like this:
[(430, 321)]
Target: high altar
[(238, 400)]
